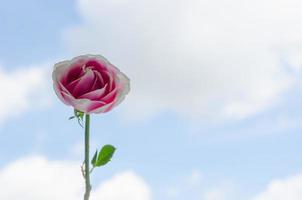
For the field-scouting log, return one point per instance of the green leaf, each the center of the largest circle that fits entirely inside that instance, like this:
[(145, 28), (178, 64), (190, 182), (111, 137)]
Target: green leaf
[(93, 161), (78, 114), (105, 155)]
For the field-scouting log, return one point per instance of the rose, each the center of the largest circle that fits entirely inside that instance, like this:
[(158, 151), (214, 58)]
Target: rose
[(90, 84)]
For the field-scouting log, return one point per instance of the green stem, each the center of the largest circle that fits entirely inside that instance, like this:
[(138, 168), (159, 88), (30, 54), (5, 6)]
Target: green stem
[(87, 171)]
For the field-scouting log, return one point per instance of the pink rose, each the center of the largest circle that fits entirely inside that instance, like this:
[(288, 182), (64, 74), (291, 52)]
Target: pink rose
[(90, 83)]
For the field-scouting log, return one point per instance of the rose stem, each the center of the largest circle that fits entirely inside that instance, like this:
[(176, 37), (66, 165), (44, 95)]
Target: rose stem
[(87, 173)]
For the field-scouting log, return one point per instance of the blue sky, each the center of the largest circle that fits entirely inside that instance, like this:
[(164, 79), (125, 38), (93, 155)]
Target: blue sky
[(214, 111)]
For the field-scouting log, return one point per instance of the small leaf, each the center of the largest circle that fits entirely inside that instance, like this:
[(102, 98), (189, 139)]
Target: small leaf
[(80, 122), (93, 161), (105, 155), (72, 117), (79, 114)]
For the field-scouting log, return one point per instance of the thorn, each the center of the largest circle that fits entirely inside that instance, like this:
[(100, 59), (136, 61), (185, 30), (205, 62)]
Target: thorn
[(82, 170)]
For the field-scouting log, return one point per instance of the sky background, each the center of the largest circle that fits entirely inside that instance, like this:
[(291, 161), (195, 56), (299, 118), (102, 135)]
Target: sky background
[(214, 111)]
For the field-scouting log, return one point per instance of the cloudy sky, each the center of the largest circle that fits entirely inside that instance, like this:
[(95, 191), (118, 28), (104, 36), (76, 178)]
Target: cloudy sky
[(214, 111)]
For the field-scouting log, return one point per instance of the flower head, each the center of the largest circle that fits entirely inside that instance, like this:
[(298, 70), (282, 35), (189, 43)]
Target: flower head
[(90, 84)]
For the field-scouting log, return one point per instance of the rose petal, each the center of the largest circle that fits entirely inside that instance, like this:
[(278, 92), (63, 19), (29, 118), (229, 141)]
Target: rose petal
[(82, 105), (69, 99), (123, 83), (71, 86), (99, 82), (102, 109), (58, 92), (111, 80), (94, 95), (113, 69), (76, 71), (60, 71), (108, 98), (84, 84), (59, 88), (96, 105), (106, 77), (97, 62)]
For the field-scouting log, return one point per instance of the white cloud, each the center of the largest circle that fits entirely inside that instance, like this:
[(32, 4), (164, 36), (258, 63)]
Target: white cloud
[(37, 178), (23, 89), (127, 185), (281, 189), (195, 186), (197, 58)]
